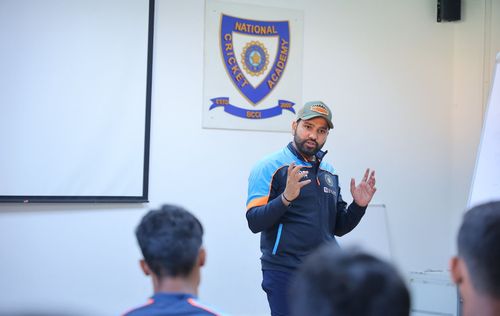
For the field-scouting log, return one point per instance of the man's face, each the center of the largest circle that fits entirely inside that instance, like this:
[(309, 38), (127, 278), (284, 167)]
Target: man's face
[(310, 136)]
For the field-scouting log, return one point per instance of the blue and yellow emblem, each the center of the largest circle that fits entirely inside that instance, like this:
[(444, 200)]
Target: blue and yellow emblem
[(249, 65), (255, 58)]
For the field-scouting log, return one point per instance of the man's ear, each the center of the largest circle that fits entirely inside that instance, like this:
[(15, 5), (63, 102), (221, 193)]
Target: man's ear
[(456, 266), (294, 127), (144, 267), (202, 257)]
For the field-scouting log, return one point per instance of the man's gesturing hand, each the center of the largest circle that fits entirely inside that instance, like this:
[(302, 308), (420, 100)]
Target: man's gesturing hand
[(364, 191), (294, 182)]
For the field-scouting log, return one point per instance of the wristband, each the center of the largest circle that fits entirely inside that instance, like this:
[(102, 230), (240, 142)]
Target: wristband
[(283, 195)]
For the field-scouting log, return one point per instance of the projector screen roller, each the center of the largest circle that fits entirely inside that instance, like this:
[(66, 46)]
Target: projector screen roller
[(75, 97)]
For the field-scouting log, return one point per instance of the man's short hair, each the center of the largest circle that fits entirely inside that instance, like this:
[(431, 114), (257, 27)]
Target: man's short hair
[(170, 239), (340, 282), (479, 247)]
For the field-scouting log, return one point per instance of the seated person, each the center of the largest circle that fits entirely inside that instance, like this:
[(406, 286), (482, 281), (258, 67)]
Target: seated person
[(171, 242), (476, 268), (338, 282)]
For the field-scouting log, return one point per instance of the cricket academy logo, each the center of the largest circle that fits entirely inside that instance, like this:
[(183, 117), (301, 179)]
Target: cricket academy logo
[(255, 55), (255, 58)]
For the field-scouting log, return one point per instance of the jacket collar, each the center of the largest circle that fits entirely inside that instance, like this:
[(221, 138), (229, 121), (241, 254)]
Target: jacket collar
[(319, 155)]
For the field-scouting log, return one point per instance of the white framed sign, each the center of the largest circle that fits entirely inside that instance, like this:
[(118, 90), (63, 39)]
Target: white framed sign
[(252, 66)]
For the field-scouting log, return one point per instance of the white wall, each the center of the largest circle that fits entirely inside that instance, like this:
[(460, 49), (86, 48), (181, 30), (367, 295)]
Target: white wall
[(394, 79)]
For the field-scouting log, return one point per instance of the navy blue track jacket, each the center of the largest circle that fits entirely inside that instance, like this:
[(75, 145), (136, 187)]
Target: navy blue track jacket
[(289, 233)]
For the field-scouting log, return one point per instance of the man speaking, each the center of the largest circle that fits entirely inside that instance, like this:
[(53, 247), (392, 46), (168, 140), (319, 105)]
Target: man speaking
[(294, 201)]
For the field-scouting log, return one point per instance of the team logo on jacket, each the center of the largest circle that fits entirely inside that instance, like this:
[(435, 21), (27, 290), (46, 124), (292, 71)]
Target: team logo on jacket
[(255, 55), (329, 189), (329, 180)]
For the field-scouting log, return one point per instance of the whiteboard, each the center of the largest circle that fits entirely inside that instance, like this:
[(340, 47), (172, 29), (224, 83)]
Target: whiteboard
[(371, 234), (485, 185), (75, 93)]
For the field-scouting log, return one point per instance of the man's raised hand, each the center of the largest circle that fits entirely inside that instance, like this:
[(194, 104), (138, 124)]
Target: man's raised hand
[(364, 191)]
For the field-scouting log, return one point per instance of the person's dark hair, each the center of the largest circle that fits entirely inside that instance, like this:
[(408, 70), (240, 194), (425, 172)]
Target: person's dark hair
[(170, 239), (479, 247), (333, 281)]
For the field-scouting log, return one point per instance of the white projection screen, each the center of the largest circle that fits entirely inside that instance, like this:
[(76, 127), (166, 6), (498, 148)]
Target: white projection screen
[(75, 100)]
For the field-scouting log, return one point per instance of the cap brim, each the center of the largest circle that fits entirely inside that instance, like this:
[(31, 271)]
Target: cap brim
[(308, 117)]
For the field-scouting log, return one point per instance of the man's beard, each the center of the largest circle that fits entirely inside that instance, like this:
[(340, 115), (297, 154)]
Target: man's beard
[(303, 149)]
